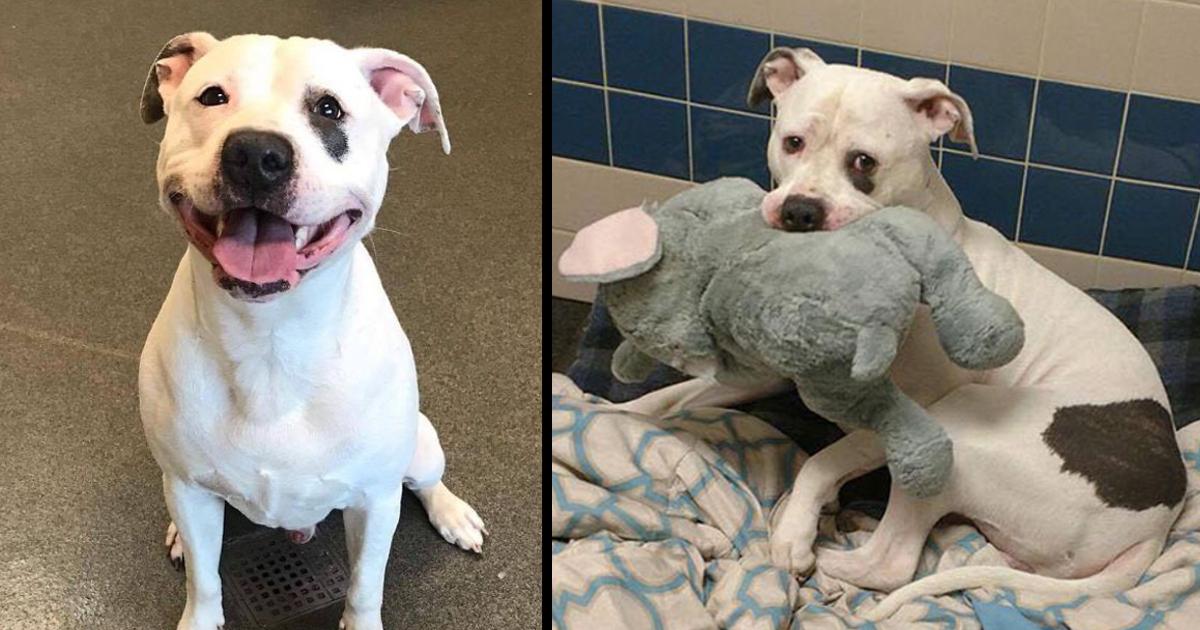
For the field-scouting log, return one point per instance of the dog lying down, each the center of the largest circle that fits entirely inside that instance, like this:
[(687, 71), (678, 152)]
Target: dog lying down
[(1065, 458)]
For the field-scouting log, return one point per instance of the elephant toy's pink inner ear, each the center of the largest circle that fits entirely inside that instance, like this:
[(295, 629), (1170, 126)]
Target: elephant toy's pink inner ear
[(621, 245)]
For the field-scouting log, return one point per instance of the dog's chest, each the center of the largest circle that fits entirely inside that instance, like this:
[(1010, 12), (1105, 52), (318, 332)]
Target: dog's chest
[(285, 439), (288, 465)]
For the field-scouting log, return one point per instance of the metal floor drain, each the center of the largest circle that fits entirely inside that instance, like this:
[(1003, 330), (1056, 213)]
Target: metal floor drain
[(274, 580)]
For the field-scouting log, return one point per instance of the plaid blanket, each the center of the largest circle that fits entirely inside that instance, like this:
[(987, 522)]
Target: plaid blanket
[(1165, 320)]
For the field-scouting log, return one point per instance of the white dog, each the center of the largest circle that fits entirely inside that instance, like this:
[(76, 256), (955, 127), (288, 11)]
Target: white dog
[(1065, 459), (276, 377)]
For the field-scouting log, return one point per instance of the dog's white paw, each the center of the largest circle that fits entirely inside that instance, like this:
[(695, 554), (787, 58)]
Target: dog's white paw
[(202, 618), (360, 621), (174, 544), (302, 536), (456, 521), (792, 549)]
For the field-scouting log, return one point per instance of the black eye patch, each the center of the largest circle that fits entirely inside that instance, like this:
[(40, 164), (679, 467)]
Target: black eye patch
[(318, 107), (860, 177)]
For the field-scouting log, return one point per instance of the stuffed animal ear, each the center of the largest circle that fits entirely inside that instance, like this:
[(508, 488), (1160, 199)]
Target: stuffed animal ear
[(620, 246)]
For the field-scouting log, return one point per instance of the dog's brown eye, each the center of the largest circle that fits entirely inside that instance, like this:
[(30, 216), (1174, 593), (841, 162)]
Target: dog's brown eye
[(213, 96), (793, 144), (863, 163), (328, 107)]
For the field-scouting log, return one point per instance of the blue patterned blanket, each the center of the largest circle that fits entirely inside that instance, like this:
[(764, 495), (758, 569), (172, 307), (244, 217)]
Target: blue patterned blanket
[(663, 522)]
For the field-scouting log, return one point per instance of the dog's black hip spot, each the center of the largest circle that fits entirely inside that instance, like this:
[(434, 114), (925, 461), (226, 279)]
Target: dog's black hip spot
[(1127, 450)]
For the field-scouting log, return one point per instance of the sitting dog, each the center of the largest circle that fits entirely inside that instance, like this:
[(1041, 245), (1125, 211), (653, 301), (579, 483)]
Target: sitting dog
[(276, 376), (1065, 458)]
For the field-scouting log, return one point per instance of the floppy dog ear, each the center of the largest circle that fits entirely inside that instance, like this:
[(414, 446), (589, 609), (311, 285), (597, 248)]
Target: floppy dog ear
[(941, 111), (406, 88), (778, 71), (620, 246), (168, 69)]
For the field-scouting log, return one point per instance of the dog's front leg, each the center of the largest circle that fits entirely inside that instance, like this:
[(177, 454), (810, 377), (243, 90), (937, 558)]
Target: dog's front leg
[(369, 530), (794, 530), (199, 516)]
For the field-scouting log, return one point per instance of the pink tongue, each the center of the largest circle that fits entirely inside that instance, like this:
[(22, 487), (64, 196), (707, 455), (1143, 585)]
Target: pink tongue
[(257, 247)]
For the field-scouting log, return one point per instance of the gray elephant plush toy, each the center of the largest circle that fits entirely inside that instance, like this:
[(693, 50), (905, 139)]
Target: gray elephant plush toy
[(701, 283)]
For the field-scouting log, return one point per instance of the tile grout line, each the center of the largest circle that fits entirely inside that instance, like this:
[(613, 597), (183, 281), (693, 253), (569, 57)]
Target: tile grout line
[(40, 335), (687, 96), (604, 80), (1025, 163), (1112, 182), (670, 99), (1187, 256), (1037, 84)]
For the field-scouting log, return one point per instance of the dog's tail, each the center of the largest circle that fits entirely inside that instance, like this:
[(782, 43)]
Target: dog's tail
[(1120, 574)]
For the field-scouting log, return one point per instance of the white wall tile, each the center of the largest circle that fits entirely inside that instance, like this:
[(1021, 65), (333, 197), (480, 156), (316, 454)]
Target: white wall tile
[(1091, 41), (582, 192), (1169, 50), (913, 27), (1077, 268), (998, 34), (678, 7), (832, 20), (1115, 273), (752, 13)]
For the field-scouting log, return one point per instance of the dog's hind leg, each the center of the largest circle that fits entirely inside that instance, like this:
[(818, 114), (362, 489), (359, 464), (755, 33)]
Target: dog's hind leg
[(174, 544), (452, 517)]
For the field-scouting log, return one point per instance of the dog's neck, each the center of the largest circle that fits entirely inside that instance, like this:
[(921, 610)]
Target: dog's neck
[(939, 202), (305, 312)]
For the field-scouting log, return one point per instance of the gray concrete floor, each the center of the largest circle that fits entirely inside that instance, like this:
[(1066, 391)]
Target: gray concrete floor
[(86, 258)]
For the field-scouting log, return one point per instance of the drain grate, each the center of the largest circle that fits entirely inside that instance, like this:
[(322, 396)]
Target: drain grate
[(274, 580)]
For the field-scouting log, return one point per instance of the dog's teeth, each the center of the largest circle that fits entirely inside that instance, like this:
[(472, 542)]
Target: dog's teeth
[(302, 234), (220, 225)]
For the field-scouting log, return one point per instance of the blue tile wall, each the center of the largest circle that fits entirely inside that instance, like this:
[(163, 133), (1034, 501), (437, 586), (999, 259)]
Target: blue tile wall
[(903, 67), (1000, 105), (829, 53), (1150, 224), (726, 144), (1064, 210), (1162, 141), (577, 128), (575, 41), (649, 134), (1076, 127), (989, 190), (1045, 170), (723, 60), (644, 51)]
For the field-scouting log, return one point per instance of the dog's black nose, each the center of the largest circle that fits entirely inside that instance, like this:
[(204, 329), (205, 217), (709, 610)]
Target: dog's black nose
[(802, 214), (256, 162)]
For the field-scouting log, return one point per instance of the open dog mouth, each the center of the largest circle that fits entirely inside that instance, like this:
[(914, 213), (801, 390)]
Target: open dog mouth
[(255, 253)]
